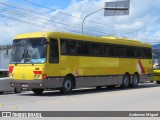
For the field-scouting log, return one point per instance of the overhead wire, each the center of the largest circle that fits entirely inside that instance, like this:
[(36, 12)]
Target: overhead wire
[(24, 14), (70, 14), (77, 25), (33, 15)]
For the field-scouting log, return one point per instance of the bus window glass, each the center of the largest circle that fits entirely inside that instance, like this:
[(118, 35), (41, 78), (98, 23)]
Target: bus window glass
[(54, 54), (68, 47), (120, 51), (71, 47), (147, 53), (130, 52), (83, 48), (63, 47), (138, 52), (96, 49), (29, 50), (108, 50)]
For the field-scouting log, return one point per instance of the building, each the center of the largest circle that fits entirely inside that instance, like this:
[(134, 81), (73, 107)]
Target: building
[(5, 53)]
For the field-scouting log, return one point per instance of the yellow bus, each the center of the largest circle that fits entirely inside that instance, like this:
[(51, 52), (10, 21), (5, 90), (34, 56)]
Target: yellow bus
[(63, 61), (156, 74)]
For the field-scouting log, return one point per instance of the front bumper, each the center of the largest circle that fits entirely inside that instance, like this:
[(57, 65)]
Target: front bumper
[(156, 78)]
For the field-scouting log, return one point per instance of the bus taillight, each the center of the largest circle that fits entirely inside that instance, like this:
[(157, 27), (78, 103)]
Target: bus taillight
[(11, 69)]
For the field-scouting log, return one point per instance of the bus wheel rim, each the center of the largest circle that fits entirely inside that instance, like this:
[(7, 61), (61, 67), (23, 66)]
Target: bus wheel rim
[(135, 81), (126, 81), (67, 85)]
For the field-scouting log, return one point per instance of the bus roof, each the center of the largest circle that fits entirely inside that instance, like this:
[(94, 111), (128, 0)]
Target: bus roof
[(104, 39)]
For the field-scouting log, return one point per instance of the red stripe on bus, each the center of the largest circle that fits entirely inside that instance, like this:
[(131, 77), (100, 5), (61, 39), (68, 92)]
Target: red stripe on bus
[(11, 69), (141, 66), (37, 72)]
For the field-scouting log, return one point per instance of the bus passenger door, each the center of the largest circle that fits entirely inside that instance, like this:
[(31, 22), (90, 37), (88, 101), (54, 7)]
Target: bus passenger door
[(53, 66)]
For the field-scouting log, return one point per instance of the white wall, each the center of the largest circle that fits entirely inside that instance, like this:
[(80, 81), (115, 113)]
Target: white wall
[(4, 58)]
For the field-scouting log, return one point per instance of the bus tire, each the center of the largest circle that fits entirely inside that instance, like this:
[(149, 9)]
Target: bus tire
[(17, 90), (135, 81), (125, 82), (158, 82), (67, 85), (1, 93), (38, 91)]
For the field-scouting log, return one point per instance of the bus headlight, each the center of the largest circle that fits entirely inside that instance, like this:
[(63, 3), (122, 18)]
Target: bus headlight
[(37, 76)]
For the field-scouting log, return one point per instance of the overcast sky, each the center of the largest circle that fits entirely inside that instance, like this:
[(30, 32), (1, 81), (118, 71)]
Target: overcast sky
[(142, 24)]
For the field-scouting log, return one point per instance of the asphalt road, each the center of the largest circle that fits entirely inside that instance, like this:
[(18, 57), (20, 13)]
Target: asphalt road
[(144, 98)]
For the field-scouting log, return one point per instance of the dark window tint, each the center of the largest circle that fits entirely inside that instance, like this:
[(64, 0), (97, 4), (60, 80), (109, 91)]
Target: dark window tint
[(68, 47), (130, 52), (83, 48), (108, 50), (120, 51), (147, 53), (96, 49), (63, 47), (54, 56), (138, 52)]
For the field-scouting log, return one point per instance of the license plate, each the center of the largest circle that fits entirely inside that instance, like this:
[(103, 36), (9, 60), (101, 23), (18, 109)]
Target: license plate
[(24, 85)]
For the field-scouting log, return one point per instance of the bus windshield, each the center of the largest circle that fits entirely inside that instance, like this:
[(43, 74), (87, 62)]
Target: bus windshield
[(29, 50), (157, 67)]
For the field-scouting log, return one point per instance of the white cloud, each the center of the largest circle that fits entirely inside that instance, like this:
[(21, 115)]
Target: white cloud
[(142, 23), (144, 17), (10, 29)]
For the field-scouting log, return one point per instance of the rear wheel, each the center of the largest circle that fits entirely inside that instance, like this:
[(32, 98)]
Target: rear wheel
[(135, 81), (125, 82), (1, 93), (67, 85), (158, 82), (38, 91)]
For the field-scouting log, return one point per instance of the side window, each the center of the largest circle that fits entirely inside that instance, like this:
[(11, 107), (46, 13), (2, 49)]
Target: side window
[(120, 51), (83, 48), (130, 52), (96, 49), (68, 47), (54, 55), (147, 53), (109, 50), (63, 47), (138, 52)]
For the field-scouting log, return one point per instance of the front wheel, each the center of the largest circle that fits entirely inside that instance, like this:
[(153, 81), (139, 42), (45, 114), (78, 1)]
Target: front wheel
[(38, 91), (67, 85), (17, 90), (125, 82), (158, 82)]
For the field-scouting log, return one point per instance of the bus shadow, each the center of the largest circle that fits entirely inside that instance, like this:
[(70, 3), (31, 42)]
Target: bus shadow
[(91, 90)]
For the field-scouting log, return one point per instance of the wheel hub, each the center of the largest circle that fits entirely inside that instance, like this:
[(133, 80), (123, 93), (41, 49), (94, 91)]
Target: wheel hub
[(67, 85)]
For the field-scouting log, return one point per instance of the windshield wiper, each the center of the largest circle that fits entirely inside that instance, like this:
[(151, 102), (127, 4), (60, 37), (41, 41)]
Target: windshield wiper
[(27, 58)]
